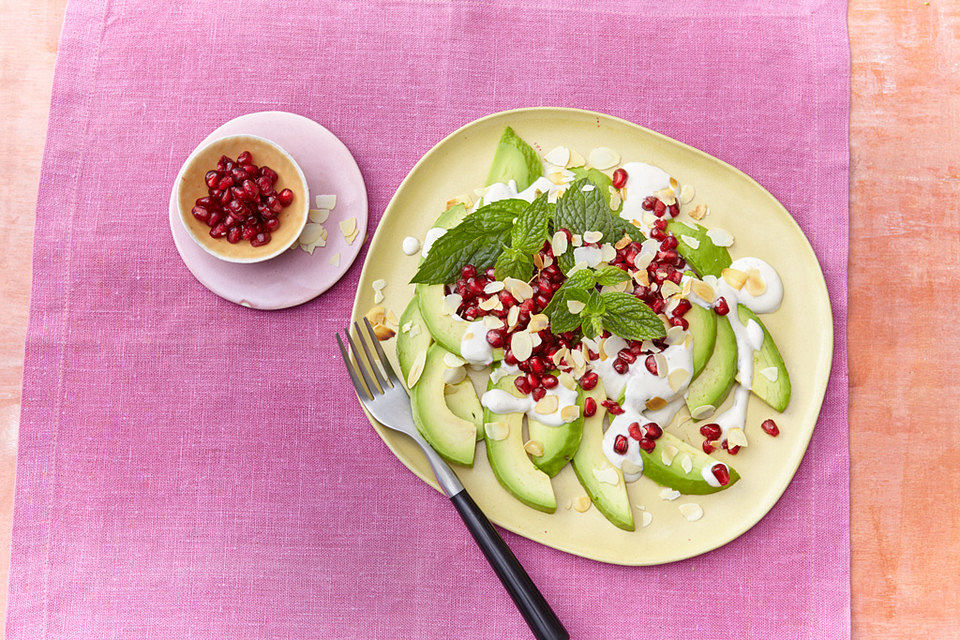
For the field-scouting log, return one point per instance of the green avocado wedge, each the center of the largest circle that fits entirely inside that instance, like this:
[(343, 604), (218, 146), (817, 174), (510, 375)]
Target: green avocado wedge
[(415, 340), (559, 443), (449, 434), (707, 259), (514, 160), (510, 462), (703, 329), (672, 475), (463, 402), (775, 393), (714, 382), (610, 499)]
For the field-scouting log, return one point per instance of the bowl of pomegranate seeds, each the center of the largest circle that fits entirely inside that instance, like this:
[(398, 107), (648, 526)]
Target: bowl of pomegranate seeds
[(243, 198)]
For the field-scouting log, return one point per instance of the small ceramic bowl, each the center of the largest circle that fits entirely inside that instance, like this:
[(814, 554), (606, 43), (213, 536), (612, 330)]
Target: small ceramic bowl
[(191, 186)]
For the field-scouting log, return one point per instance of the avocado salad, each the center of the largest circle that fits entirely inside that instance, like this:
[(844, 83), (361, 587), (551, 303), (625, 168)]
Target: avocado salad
[(592, 309)]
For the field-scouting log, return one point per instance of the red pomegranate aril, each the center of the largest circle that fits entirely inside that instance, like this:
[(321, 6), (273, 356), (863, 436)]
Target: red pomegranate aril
[(659, 208), (248, 231), (533, 380), (678, 321), (538, 366), (215, 218), (541, 300), (271, 224), (495, 338), (620, 445), (231, 221), (648, 203), (274, 203), (620, 366), (239, 175), (657, 305), (200, 213), (619, 178), (669, 243), (651, 364), (506, 299), (589, 380), (627, 356), (225, 183), (707, 447), (720, 472), (549, 381), (674, 210), (613, 407), (233, 236), (260, 239), (251, 170), (711, 431), (222, 163), (720, 307), (265, 186), (509, 358), (652, 430), (647, 444), (218, 231), (225, 197), (212, 179), (634, 430), (670, 256), (770, 427), (245, 158), (589, 407), (286, 197), (269, 174), (237, 192), (733, 450), (538, 393), (657, 234), (660, 224), (250, 189), (682, 307), (521, 384)]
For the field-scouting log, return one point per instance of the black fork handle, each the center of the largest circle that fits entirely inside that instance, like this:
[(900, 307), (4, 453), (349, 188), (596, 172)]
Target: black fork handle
[(531, 603)]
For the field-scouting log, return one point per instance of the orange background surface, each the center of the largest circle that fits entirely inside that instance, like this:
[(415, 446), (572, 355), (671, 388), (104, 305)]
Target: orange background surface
[(904, 347)]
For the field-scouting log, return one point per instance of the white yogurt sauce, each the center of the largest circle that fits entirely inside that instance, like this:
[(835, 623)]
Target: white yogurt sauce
[(410, 245), (432, 236), (474, 347), (507, 190), (642, 180), (707, 474), (502, 402)]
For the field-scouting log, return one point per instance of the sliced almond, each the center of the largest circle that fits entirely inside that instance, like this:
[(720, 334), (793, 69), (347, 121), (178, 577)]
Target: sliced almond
[(666, 196), (518, 289), (534, 448), (522, 345), (615, 199), (669, 288), (414, 331), (575, 306), (678, 378), (734, 277), (383, 332), (675, 335), (578, 360), (669, 494), (603, 158), (496, 430), (576, 240), (391, 318), (656, 403), (558, 357), (701, 412), (737, 437), (453, 360), (453, 375), (348, 226), (687, 192), (646, 518), (570, 413), (325, 202), (703, 291), (378, 296), (559, 243), (622, 242), (582, 503), (538, 261), (592, 236), (567, 381), (770, 373), (416, 370), (558, 156), (661, 362), (547, 405), (699, 212), (576, 160), (556, 177), (335, 259), (640, 276), (607, 252), (492, 322), (668, 454), (691, 511), (686, 463), (690, 241), (513, 316), (494, 287), (720, 237), (490, 304), (319, 216), (310, 234), (607, 474), (376, 314), (451, 303), (538, 322), (755, 285)]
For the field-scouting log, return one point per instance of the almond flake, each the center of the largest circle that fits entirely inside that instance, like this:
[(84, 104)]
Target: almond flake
[(493, 287), (319, 216), (513, 316), (669, 288), (547, 405), (703, 291), (622, 242), (576, 240), (669, 494), (450, 304), (378, 296), (686, 463), (674, 184), (414, 331), (582, 503), (522, 345), (567, 381), (699, 212), (666, 196), (646, 518), (755, 284), (661, 362), (496, 430), (379, 284), (614, 199), (575, 306), (556, 177), (678, 378), (453, 375), (559, 243), (310, 234), (308, 248), (383, 332), (737, 437), (406, 326), (534, 448), (687, 193), (734, 277), (607, 252), (538, 261), (702, 411), (391, 318), (490, 304), (416, 370), (558, 156), (518, 289), (348, 226), (538, 322), (770, 373), (578, 360), (690, 241), (453, 360), (325, 202), (558, 357), (376, 314), (668, 454), (492, 322), (640, 276), (607, 475), (656, 403), (576, 160), (675, 335), (592, 236), (720, 237), (570, 413), (603, 158), (648, 220), (691, 511)]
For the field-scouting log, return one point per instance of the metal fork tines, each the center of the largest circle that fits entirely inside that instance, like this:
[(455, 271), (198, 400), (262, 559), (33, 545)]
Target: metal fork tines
[(379, 367)]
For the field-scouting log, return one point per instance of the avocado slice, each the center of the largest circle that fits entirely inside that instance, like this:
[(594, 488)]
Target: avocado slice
[(510, 462), (597, 177), (703, 329), (449, 434), (776, 393), (707, 259), (414, 341), (559, 443), (514, 160), (462, 400), (672, 475), (611, 500), (713, 384)]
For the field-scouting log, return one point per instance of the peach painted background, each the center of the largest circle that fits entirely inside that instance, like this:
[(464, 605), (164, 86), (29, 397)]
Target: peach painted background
[(904, 350)]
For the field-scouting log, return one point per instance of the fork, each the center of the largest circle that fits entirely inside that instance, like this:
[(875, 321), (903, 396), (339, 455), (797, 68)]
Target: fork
[(384, 396)]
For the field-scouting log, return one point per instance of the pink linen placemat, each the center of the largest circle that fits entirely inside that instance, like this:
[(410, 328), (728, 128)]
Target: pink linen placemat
[(192, 469)]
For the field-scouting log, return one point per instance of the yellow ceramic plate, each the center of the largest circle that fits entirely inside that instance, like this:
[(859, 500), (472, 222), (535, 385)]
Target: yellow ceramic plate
[(762, 227)]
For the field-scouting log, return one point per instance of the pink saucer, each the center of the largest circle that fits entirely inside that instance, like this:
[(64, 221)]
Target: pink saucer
[(294, 277)]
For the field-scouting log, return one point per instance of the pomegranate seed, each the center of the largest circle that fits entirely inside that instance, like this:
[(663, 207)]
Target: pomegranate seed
[(468, 271), (619, 178), (495, 338), (720, 472), (657, 234), (634, 430), (248, 232), (200, 213), (250, 189), (660, 224), (225, 183), (509, 358), (265, 186), (549, 381), (219, 231), (538, 393), (269, 174), (212, 179), (668, 256), (674, 210), (271, 224), (613, 407), (251, 170), (677, 321), (260, 239), (651, 364), (648, 203), (652, 430), (521, 384), (589, 380), (657, 305), (682, 307), (245, 158), (626, 356), (542, 300), (707, 447), (721, 307), (286, 197), (506, 299), (659, 209), (589, 407), (620, 366), (647, 444), (669, 243), (711, 431), (537, 366), (675, 277), (620, 445), (215, 218), (770, 427), (233, 236), (533, 380)]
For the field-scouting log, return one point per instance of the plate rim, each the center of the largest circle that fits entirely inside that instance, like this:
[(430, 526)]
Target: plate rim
[(819, 392)]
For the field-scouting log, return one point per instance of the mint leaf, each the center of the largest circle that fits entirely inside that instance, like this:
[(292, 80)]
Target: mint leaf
[(595, 304), (607, 274), (626, 316), (592, 327), (530, 230), (580, 211), (561, 320), (514, 264), (477, 240)]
